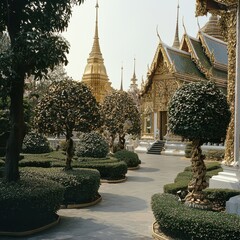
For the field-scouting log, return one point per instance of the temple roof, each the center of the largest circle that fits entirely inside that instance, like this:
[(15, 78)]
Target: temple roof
[(216, 48), (177, 61), (182, 62), (207, 63)]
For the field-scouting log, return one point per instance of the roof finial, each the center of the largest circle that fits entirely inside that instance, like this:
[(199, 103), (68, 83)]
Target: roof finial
[(176, 42), (134, 74), (96, 31), (160, 40), (199, 28), (121, 87), (185, 31)]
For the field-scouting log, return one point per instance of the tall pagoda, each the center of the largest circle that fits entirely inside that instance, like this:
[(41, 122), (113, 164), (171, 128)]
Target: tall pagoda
[(95, 74)]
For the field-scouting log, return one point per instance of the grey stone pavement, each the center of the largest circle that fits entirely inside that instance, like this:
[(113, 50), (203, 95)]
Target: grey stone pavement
[(125, 210)]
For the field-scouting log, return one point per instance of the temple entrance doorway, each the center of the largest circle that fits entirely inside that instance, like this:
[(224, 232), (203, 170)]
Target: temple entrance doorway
[(162, 124)]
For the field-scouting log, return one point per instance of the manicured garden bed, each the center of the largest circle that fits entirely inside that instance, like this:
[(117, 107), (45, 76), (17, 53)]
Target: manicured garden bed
[(29, 204), (183, 223)]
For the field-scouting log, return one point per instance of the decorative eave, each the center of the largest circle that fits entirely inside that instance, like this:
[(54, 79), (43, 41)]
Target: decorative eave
[(214, 6), (210, 54), (194, 56)]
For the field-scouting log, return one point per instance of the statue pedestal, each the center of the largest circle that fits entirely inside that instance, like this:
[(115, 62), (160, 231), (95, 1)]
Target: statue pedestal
[(229, 178), (233, 205), (174, 148), (142, 147)]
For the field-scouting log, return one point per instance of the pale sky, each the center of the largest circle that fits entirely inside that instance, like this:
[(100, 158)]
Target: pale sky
[(127, 30)]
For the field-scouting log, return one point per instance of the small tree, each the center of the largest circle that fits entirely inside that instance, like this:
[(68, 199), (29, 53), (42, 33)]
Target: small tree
[(199, 112), (35, 46), (67, 106), (121, 116)]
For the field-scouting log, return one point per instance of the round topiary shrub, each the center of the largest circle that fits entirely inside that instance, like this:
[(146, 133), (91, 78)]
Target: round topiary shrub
[(81, 185), (92, 145), (130, 158), (35, 143), (29, 203)]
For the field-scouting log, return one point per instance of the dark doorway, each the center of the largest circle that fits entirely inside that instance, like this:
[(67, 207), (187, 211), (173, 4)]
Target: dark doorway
[(163, 124)]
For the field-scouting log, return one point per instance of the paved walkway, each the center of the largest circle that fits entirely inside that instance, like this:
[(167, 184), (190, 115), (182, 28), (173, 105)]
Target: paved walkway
[(125, 211)]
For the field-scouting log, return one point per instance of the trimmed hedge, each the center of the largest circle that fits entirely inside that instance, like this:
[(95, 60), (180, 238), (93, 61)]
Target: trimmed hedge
[(183, 178), (30, 203), (110, 170), (81, 185), (220, 196), (33, 163), (130, 158), (177, 220)]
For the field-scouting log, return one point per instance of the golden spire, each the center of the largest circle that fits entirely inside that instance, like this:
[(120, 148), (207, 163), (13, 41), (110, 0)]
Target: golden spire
[(96, 52), (121, 87), (134, 79), (176, 42), (95, 74)]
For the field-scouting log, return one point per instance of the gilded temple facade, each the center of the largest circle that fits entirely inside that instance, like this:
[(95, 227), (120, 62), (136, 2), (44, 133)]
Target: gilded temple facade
[(95, 74), (227, 10), (202, 58)]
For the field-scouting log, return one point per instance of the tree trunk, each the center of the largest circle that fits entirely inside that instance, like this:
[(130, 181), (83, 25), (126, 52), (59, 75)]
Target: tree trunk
[(17, 131), (122, 141), (69, 152), (111, 143), (198, 182)]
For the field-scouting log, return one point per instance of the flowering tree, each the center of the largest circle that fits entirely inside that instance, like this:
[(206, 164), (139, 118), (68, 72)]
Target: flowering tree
[(121, 116), (199, 112), (66, 107)]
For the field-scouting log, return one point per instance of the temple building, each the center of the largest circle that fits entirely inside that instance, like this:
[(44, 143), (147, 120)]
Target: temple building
[(95, 74), (202, 58)]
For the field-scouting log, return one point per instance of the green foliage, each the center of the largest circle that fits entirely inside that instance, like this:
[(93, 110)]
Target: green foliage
[(199, 111), (43, 163), (67, 106), (209, 166), (130, 158), (35, 143), (81, 185), (91, 145), (29, 203), (181, 222), (121, 114)]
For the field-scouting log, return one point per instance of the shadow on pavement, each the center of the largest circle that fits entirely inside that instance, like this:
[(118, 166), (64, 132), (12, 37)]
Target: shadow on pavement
[(119, 203), (139, 179)]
